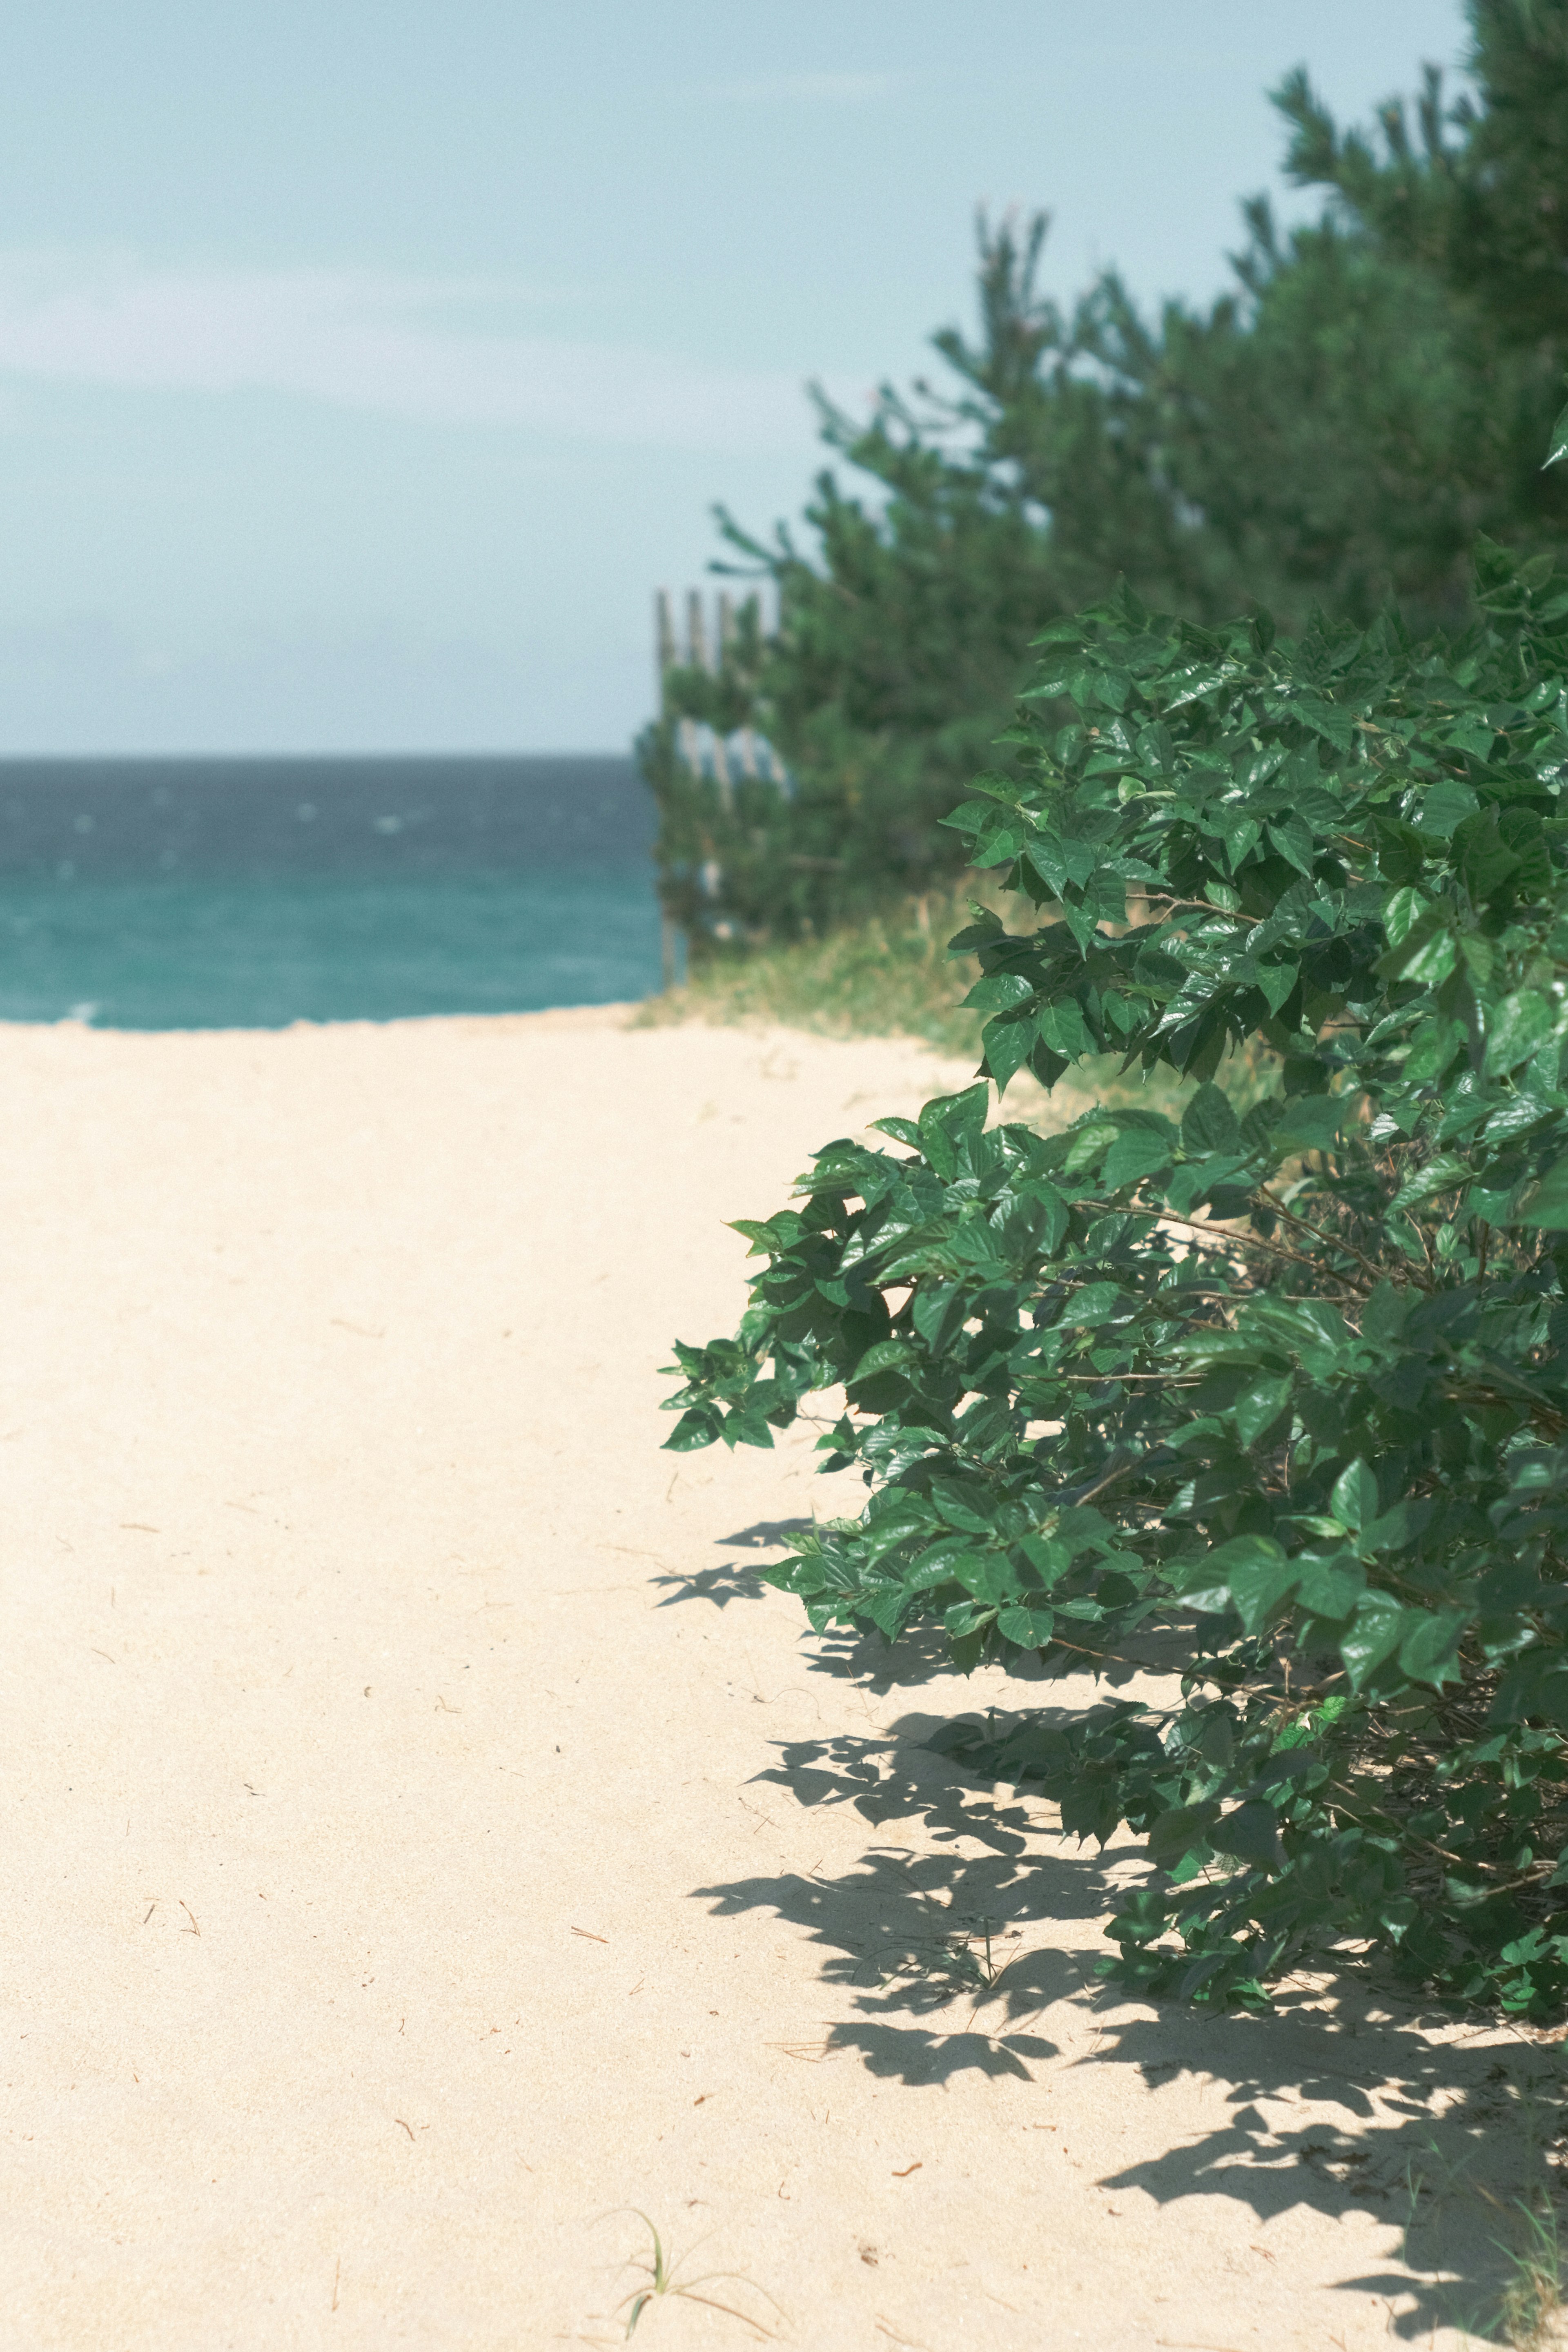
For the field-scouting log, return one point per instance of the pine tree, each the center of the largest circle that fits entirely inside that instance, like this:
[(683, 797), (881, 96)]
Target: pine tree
[(1332, 432)]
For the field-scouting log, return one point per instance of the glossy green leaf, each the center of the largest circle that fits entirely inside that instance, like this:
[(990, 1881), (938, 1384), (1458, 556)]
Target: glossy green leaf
[(1548, 1203), (1375, 1632), (999, 994), (1429, 1653), (1355, 1497), (1258, 1408), (1258, 1573), (1134, 1155), (1558, 448), (1031, 1629), (1208, 1122)]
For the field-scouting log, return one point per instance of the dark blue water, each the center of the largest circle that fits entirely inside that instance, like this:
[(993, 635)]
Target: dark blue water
[(178, 894)]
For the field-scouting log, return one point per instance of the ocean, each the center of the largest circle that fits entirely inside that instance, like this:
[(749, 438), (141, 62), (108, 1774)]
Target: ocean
[(250, 893)]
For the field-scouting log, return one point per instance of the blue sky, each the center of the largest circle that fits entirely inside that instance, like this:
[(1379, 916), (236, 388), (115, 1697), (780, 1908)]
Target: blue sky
[(363, 369)]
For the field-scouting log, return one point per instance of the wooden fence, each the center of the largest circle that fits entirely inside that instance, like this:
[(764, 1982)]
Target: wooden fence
[(700, 748)]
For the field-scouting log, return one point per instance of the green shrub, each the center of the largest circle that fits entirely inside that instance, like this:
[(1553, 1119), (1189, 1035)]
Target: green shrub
[(1280, 1401)]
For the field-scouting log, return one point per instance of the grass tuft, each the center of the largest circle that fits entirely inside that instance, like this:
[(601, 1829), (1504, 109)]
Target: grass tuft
[(662, 2275), (889, 976), (1532, 2301)]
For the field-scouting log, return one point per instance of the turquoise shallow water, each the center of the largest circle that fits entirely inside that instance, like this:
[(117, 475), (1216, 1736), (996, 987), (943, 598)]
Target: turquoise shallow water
[(215, 894), (259, 952)]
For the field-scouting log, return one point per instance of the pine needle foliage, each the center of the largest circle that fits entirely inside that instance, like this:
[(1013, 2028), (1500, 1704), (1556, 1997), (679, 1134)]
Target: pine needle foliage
[(1287, 1391), (1334, 431)]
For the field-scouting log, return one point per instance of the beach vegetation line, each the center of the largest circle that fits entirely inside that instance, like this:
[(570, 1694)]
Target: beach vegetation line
[(1275, 1403)]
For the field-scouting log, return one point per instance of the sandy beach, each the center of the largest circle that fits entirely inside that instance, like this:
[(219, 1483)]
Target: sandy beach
[(431, 1846)]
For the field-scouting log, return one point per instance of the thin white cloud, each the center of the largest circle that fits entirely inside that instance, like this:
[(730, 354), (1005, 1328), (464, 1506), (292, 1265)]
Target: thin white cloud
[(399, 346), (812, 88)]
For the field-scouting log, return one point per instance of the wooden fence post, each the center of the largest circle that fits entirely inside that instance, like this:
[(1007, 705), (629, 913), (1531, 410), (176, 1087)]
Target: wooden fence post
[(696, 631), (663, 638)]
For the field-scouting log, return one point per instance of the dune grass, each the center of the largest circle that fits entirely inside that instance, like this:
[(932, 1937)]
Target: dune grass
[(890, 976)]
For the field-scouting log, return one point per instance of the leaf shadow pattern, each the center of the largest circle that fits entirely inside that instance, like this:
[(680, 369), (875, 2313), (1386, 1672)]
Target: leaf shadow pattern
[(1347, 2095), (923, 1654), (766, 1534), (720, 1585), (1453, 2143), (907, 1931), (919, 1655), (732, 1579)]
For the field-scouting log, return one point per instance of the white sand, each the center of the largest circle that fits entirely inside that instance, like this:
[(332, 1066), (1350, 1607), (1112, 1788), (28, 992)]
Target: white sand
[(422, 1851)]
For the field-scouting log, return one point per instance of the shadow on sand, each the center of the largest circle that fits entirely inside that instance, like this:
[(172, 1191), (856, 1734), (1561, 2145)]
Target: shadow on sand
[(732, 1579), (1455, 2142), (1450, 2142)]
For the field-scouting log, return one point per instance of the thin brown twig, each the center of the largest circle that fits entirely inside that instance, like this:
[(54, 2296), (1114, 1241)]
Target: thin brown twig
[(1329, 1241), (1206, 906), (1536, 1408), (1109, 1479), (1236, 1241), (1115, 1657)]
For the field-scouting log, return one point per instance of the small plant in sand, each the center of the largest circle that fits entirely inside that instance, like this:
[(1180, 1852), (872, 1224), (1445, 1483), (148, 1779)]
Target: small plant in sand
[(1532, 2301), (1277, 1401), (662, 2275)]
